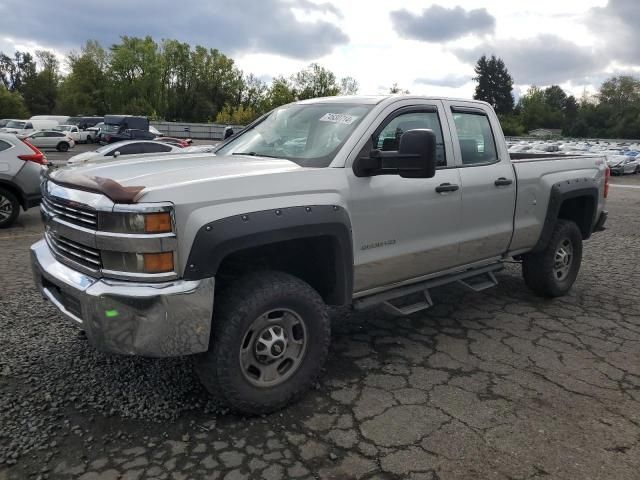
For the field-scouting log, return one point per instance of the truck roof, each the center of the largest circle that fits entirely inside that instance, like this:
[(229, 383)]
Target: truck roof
[(376, 99)]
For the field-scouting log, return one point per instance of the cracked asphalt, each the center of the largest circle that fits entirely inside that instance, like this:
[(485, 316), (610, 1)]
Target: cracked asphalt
[(493, 385)]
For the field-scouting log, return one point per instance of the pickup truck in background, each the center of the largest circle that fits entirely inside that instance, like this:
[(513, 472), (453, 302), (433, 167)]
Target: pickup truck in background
[(362, 201), (78, 136)]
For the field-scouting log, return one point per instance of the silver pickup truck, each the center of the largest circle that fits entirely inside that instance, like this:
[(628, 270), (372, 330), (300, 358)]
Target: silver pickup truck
[(345, 200)]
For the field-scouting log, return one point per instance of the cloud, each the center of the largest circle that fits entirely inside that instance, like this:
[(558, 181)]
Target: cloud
[(440, 24), (452, 81), (238, 26), (617, 25), (541, 60)]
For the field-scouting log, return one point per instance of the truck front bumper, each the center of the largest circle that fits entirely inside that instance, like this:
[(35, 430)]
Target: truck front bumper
[(148, 319)]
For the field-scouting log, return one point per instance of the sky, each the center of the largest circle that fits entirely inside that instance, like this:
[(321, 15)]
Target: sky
[(427, 47)]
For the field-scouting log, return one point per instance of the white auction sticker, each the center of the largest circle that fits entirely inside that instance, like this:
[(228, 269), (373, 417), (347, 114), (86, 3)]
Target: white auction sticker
[(338, 118)]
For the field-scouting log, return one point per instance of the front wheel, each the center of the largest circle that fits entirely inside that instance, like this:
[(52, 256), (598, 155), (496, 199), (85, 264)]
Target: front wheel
[(270, 339), (552, 272), (63, 147)]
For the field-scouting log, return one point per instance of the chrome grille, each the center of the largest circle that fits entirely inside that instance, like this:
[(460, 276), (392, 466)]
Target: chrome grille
[(80, 254), (70, 212)]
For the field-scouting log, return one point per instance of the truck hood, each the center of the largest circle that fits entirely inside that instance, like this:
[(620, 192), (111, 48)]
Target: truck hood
[(125, 181)]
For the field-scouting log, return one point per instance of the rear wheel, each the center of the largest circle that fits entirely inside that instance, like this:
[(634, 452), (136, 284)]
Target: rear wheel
[(63, 147), (9, 208), (270, 339), (552, 272)]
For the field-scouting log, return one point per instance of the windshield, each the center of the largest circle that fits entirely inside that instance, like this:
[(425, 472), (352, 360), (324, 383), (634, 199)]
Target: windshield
[(309, 135), (15, 124), (63, 128), (110, 128)]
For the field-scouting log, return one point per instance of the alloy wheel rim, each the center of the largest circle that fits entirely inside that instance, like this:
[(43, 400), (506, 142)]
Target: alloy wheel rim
[(6, 208), (273, 347), (563, 259)]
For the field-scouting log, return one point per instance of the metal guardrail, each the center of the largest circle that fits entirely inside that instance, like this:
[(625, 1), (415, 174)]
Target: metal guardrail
[(200, 131)]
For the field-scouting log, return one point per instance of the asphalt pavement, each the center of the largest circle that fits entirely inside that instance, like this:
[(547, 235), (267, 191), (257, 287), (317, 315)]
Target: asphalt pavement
[(499, 384)]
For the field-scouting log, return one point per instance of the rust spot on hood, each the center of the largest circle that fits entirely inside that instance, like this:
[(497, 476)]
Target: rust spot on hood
[(106, 186)]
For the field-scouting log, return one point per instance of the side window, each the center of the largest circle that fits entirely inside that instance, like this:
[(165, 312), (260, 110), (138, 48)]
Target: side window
[(38, 135), (131, 149), (4, 145), (156, 148), (477, 144), (28, 126), (389, 137)]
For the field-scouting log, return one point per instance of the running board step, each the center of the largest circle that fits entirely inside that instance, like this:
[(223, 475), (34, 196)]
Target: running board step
[(476, 279), (480, 282), (404, 310)]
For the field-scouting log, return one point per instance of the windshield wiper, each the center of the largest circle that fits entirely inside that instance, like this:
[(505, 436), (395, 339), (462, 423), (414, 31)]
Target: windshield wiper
[(254, 154)]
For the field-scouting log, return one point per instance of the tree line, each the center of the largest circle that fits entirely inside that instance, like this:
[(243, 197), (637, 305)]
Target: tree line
[(612, 112), (169, 80), (174, 81)]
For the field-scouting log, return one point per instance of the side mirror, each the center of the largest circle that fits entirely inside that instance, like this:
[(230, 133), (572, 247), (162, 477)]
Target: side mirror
[(116, 154), (415, 158)]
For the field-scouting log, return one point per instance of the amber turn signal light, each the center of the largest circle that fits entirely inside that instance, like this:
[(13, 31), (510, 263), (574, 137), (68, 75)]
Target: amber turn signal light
[(157, 222), (158, 262)]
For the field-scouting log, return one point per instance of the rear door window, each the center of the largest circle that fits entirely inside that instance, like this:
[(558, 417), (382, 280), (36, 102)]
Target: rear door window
[(4, 145), (477, 144), (156, 148)]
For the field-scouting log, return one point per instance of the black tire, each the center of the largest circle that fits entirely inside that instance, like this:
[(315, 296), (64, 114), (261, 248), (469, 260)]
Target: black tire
[(63, 147), (247, 299), (89, 139), (9, 208), (539, 269)]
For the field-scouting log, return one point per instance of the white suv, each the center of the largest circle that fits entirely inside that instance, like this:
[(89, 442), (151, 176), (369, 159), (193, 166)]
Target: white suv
[(61, 141), (21, 165)]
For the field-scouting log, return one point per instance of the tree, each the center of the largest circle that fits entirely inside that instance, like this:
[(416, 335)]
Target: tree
[(40, 90), (394, 89), (84, 89), (315, 81), (281, 92), (495, 85), (555, 97), (12, 104), (349, 86)]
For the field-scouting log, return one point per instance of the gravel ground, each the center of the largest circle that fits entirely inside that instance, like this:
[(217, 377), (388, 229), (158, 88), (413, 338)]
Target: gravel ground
[(498, 384)]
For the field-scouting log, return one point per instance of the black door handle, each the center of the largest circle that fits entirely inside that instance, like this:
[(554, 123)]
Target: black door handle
[(502, 181), (447, 187)]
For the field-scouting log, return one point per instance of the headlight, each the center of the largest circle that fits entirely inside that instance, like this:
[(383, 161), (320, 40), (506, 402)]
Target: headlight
[(121, 222), (138, 262)]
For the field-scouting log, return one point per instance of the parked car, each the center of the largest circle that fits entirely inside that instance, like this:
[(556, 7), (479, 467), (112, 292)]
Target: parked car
[(128, 149), (78, 136), (234, 257), (22, 128), (84, 123), (61, 141), (4, 121), (177, 142), (155, 131), (22, 165), (129, 134), (623, 164)]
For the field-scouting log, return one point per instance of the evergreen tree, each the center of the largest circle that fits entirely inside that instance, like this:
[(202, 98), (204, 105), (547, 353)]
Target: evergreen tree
[(495, 85)]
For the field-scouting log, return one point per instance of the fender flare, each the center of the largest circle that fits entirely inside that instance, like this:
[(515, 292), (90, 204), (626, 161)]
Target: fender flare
[(216, 240), (566, 190)]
